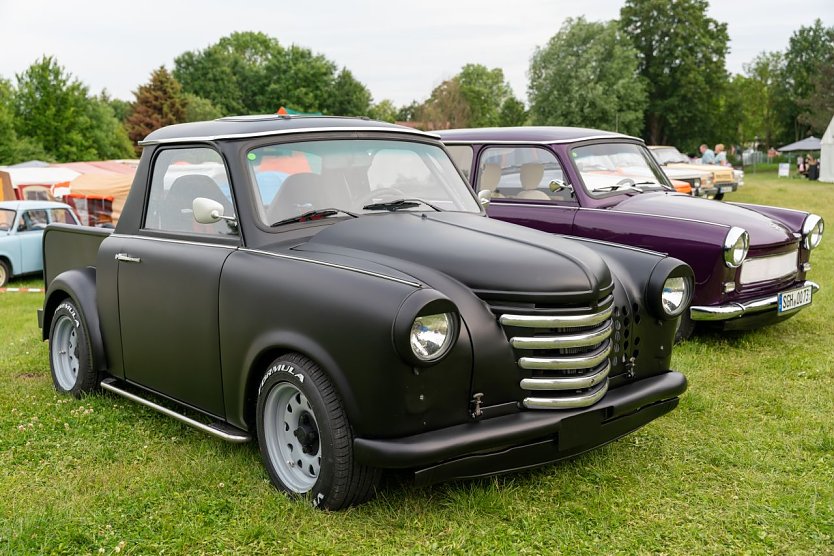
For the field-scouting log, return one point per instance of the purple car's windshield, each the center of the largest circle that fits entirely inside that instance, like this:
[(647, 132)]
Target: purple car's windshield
[(617, 167)]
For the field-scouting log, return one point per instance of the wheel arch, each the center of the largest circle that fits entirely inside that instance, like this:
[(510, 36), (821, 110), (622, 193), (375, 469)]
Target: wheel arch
[(79, 285)]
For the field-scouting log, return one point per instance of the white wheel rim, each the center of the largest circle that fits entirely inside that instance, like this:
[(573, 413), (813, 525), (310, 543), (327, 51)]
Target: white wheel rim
[(64, 348), (291, 434)]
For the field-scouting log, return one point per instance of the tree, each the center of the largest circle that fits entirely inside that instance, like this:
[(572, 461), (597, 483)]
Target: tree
[(53, 111), (159, 103), (485, 91), (446, 108), (199, 109), (681, 56), (586, 75), (763, 91), (349, 96), (512, 113), (819, 106), (384, 111), (809, 50), (12, 148)]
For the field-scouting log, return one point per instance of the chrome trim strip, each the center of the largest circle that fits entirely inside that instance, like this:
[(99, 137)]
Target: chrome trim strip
[(587, 361), (456, 142), (237, 438), (583, 400), (280, 132), (618, 245), (712, 313), (333, 265), (179, 241), (567, 383), (567, 321), (583, 339), (680, 218)]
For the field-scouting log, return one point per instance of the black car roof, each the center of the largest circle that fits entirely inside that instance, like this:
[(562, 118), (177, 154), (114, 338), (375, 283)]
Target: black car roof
[(529, 134), (268, 124)]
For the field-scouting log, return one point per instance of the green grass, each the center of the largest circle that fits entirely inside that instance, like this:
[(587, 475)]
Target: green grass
[(744, 465)]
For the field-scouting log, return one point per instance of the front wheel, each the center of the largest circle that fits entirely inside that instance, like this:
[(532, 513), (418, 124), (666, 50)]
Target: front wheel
[(70, 356), (685, 329), (5, 273), (305, 438)]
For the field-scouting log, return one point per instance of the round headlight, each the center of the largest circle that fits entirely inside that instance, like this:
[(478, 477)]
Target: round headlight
[(677, 292), (432, 336), (812, 229), (697, 182), (736, 245), (708, 180)]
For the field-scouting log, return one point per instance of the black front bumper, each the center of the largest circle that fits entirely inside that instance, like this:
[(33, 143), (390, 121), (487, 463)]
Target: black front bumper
[(527, 438)]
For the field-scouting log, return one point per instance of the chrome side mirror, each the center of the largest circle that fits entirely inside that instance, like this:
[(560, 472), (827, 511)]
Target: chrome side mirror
[(209, 211), (557, 185), (484, 196)]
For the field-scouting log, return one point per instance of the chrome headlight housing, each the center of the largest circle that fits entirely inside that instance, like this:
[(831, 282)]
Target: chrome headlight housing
[(812, 230), (670, 288), (432, 336), (709, 180), (696, 182), (736, 245), (426, 328)]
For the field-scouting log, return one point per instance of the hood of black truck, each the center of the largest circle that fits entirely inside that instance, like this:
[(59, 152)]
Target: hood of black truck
[(496, 259)]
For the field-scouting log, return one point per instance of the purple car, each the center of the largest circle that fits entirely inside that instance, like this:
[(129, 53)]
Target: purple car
[(750, 261)]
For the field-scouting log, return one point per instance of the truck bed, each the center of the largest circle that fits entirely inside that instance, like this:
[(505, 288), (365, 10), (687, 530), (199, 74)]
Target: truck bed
[(67, 246)]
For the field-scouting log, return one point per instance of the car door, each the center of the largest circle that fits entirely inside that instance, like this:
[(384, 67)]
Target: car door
[(169, 280), (527, 186), (30, 226)]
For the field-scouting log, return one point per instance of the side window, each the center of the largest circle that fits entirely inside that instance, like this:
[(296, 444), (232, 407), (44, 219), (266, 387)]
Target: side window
[(462, 157), (32, 220), (523, 173), (179, 176), (61, 216)]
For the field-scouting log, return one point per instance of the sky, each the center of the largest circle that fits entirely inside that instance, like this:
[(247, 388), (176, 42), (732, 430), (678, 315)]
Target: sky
[(399, 50)]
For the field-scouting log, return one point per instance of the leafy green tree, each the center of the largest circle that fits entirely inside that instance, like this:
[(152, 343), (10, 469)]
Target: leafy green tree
[(121, 108), (586, 75), (681, 56), (408, 113), (199, 109), (764, 92), (819, 106), (159, 102), (809, 50), (12, 148), (485, 90), (349, 96), (384, 111), (512, 113), (54, 111), (446, 108)]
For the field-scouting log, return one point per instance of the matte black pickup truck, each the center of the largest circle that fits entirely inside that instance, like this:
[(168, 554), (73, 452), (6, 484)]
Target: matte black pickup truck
[(333, 288)]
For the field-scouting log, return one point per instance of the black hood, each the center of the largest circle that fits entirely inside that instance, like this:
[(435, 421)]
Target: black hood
[(488, 256)]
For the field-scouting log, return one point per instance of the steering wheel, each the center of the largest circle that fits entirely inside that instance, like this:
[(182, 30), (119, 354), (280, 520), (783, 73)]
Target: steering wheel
[(626, 182), (383, 193)]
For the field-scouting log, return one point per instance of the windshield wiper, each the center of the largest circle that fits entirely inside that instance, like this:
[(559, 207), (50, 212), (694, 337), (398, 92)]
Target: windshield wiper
[(631, 186), (400, 204), (317, 214)]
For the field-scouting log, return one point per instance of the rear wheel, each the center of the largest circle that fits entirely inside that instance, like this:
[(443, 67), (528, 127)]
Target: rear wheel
[(305, 438), (5, 273), (70, 358)]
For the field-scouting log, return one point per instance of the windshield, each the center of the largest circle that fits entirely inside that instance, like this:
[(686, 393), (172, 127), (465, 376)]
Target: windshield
[(609, 167), (355, 176), (669, 155), (6, 220)]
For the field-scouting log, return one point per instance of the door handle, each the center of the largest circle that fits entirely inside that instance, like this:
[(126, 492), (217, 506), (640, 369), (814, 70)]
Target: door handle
[(124, 257)]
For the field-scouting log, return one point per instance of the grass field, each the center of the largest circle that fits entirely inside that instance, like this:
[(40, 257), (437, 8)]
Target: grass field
[(744, 465)]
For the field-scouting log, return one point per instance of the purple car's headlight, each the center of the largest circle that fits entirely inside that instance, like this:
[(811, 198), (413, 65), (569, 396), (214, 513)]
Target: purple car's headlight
[(812, 230), (736, 245)]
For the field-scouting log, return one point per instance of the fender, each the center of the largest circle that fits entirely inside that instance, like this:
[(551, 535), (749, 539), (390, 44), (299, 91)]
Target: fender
[(79, 284)]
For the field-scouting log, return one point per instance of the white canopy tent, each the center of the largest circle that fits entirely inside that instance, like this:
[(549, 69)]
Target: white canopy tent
[(827, 154)]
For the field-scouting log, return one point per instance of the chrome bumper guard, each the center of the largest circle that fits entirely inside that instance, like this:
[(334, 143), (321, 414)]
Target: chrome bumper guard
[(735, 310)]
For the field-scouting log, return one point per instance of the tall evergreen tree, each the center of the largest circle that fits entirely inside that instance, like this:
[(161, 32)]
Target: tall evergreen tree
[(158, 103)]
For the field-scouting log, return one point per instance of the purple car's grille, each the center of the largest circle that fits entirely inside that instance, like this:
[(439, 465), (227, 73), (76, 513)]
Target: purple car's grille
[(564, 359)]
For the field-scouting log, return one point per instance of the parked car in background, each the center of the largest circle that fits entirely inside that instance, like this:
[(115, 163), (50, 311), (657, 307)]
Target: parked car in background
[(21, 229), (724, 179), (358, 313), (750, 261)]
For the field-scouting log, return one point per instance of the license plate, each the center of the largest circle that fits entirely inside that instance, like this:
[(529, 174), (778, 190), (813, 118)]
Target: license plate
[(726, 189), (794, 299)]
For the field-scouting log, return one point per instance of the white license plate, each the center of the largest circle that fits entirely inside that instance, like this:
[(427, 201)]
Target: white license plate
[(794, 299), (726, 189)]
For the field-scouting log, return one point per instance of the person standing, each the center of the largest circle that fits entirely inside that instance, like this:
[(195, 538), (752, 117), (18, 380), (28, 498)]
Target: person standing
[(720, 155), (707, 155)]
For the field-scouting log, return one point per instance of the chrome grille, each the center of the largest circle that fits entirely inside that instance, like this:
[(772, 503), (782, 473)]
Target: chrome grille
[(568, 356), (762, 269)]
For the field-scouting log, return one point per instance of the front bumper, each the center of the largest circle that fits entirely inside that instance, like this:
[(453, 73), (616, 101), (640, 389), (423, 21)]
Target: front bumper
[(527, 438), (731, 311)]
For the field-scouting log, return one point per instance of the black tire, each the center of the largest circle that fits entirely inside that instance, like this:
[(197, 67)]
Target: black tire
[(718, 196), (305, 438), (686, 327), (70, 356), (5, 273)]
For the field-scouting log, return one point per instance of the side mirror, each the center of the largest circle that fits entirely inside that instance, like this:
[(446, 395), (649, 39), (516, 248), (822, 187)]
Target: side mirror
[(557, 185), (484, 196), (207, 211)]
